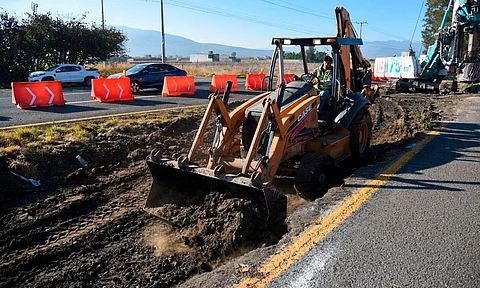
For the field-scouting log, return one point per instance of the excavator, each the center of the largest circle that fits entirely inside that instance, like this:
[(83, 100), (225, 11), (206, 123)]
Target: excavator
[(279, 132), (452, 60)]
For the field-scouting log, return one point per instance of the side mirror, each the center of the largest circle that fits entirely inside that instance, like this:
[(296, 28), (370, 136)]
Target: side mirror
[(145, 72), (58, 70)]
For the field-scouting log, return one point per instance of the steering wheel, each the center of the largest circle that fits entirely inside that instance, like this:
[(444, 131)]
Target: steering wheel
[(309, 78)]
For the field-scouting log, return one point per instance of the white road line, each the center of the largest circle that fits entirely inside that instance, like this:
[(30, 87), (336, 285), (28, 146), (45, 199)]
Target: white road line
[(91, 101)]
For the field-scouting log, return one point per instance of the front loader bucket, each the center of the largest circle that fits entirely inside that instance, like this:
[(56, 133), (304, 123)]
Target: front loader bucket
[(190, 185)]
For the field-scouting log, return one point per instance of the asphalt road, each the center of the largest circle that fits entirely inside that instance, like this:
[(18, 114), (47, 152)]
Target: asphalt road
[(80, 104), (421, 229)]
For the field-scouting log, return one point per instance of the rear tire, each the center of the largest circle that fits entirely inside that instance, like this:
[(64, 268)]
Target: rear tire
[(314, 175), (360, 136), (135, 86), (88, 81)]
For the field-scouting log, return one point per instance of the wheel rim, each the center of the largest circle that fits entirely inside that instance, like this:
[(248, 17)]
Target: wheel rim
[(363, 137), (135, 87)]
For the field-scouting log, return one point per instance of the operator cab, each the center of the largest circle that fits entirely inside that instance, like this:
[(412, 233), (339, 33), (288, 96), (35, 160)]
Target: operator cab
[(347, 84)]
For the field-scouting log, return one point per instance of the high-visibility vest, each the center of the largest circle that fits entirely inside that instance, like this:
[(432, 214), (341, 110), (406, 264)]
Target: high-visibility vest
[(323, 76)]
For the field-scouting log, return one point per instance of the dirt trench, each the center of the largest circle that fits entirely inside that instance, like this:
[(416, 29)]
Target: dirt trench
[(85, 226)]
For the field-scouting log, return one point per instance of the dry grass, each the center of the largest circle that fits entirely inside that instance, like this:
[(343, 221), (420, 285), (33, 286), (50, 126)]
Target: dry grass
[(109, 69), (13, 149), (208, 69)]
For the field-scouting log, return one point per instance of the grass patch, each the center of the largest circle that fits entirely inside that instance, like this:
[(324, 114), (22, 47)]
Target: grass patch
[(53, 133), (428, 124), (78, 133), (15, 140), (110, 123), (19, 136)]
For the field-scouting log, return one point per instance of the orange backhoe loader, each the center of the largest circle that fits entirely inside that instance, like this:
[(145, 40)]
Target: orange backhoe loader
[(277, 131)]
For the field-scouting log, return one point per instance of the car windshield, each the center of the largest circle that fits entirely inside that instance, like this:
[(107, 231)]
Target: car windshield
[(136, 69), (53, 68)]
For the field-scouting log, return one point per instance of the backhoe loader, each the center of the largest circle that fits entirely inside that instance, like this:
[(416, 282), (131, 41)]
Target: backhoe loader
[(279, 131)]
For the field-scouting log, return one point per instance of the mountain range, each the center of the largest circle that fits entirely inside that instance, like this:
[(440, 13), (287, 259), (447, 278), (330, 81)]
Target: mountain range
[(147, 42)]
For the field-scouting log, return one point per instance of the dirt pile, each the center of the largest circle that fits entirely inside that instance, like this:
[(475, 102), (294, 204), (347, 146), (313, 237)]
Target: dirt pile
[(85, 226)]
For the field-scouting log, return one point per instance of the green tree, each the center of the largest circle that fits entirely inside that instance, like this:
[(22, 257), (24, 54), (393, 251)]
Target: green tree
[(10, 43), (313, 56), (292, 55), (41, 40), (433, 20)]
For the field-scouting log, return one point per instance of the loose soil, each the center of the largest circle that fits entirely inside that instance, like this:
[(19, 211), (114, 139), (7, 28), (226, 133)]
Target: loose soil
[(85, 226)]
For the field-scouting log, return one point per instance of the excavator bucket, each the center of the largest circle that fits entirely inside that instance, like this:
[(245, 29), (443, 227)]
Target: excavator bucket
[(189, 185)]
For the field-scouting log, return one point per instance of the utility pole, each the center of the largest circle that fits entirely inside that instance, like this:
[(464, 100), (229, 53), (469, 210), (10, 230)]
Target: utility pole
[(163, 32), (361, 26), (103, 28), (103, 18)]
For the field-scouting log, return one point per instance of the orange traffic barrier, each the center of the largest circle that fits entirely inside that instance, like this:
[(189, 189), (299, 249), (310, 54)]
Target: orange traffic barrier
[(178, 85), (37, 94), (220, 82), (288, 78), (112, 89), (256, 82)]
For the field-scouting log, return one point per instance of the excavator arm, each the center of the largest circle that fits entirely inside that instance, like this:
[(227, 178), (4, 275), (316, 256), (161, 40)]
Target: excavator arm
[(345, 29), (352, 57)]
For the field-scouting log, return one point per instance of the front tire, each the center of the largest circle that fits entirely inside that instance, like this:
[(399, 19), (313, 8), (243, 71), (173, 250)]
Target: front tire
[(135, 86), (314, 175), (47, 79), (360, 136)]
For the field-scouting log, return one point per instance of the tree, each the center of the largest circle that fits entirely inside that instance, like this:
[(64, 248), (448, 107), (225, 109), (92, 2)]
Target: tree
[(292, 55), (10, 43), (41, 41), (313, 56), (433, 20)]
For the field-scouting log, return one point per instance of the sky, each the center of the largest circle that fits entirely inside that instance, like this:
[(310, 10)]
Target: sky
[(242, 23)]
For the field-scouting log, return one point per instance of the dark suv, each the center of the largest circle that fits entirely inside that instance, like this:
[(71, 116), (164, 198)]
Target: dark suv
[(149, 75)]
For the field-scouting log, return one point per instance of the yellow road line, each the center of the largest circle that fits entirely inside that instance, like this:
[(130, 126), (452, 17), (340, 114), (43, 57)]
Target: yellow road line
[(99, 117), (285, 258)]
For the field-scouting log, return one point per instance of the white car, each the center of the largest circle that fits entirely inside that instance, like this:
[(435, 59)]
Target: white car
[(67, 73)]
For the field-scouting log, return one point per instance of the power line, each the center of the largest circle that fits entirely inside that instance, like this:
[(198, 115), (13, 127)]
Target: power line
[(416, 24), (257, 19), (298, 10), (306, 9), (295, 8), (379, 30), (237, 15)]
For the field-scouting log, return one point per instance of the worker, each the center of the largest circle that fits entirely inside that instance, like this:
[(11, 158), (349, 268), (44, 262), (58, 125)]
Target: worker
[(325, 79)]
